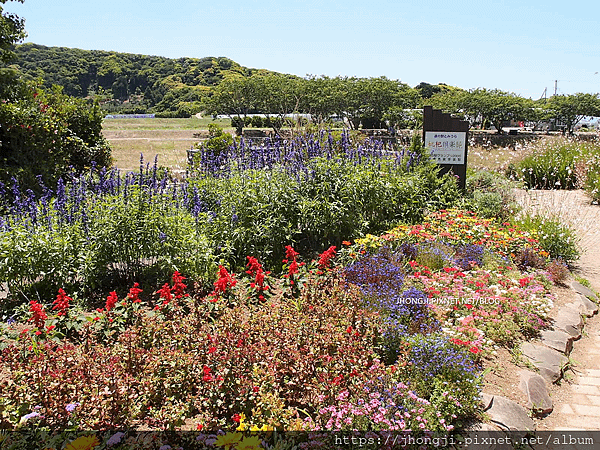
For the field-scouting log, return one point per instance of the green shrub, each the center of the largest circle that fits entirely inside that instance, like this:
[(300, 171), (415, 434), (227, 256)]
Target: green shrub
[(259, 212), (257, 122), (38, 126), (491, 195), (141, 241), (559, 240), (218, 141)]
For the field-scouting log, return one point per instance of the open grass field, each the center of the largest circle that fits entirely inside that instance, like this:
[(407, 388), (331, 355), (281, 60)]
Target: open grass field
[(167, 138)]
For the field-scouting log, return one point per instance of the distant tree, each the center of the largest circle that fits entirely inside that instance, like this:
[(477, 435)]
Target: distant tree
[(483, 107), (497, 107), (368, 100), (427, 90), (457, 102), (323, 97), (236, 96), (12, 31), (277, 96), (570, 109)]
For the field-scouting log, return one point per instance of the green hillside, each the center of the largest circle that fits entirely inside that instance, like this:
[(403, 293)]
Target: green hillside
[(128, 83)]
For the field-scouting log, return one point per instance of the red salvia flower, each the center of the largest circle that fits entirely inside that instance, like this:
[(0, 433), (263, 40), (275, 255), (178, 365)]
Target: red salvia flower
[(61, 303), (255, 269), (38, 314), (290, 253), (178, 286), (165, 293), (134, 292), (225, 281), (253, 265), (326, 257), (111, 301), (293, 268)]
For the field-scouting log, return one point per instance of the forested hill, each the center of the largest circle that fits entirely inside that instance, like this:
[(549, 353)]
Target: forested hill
[(128, 82)]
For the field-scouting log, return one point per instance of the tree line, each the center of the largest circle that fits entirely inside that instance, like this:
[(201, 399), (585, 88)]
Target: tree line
[(128, 83)]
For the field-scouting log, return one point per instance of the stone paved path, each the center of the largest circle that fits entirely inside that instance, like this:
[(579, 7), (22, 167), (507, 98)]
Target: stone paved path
[(579, 408)]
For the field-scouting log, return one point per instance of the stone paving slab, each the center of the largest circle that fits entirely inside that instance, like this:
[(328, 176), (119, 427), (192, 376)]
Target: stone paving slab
[(582, 410), (580, 405), (587, 410), (594, 399)]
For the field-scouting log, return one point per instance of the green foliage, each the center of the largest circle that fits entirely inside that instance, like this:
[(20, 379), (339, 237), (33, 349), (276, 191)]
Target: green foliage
[(559, 240), (570, 109), (257, 122), (491, 195), (12, 31), (561, 164), (142, 240), (63, 132), (218, 142), (119, 242), (259, 212), (132, 83), (483, 107)]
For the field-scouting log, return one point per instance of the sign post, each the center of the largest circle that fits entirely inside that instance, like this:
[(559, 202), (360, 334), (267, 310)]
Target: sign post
[(446, 138)]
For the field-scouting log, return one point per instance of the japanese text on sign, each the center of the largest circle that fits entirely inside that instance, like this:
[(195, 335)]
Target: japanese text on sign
[(446, 147)]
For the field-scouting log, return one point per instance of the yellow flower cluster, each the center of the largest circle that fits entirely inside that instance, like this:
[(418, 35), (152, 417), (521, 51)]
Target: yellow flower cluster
[(243, 426), (461, 227), (237, 441)]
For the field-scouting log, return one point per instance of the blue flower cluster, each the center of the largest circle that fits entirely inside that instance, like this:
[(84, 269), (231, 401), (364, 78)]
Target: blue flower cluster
[(74, 194), (375, 272), (434, 355), (403, 311), (294, 155), (70, 201), (468, 255)]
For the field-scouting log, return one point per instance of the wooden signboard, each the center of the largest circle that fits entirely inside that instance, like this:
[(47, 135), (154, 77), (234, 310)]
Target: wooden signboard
[(447, 140)]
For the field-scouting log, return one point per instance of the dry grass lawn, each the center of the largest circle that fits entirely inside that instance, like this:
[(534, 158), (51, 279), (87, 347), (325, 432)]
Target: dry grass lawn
[(167, 138)]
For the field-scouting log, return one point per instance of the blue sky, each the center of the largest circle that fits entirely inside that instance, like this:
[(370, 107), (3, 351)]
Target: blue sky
[(520, 47)]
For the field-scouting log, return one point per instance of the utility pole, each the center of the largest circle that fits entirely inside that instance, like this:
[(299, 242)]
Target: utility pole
[(555, 86)]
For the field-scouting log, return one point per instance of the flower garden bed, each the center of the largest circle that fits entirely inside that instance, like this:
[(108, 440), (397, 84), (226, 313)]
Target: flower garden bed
[(391, 333)]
